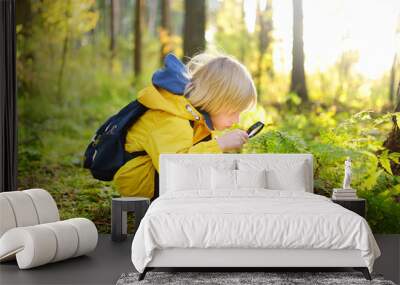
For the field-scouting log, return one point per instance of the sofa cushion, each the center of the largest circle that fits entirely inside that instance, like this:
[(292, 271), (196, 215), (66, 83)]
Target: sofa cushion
[(30, 230), (26, 208), (7, 220), (23, 208), (40, 244), (45, 206)]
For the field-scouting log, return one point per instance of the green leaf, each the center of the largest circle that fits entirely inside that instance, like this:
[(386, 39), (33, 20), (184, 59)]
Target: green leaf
[(394, 156), (385, 162)]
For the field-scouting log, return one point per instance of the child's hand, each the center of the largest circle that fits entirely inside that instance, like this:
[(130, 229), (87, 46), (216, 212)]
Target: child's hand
[(233, 140)]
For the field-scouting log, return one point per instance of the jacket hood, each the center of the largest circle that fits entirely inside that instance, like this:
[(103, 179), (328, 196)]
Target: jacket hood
[(173, 77), (166, 94)]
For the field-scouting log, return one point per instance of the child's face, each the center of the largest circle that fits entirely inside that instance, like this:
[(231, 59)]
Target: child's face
[(224, 120)]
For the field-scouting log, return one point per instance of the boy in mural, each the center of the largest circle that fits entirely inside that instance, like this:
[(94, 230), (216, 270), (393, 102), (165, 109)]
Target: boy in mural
[(186, 103)]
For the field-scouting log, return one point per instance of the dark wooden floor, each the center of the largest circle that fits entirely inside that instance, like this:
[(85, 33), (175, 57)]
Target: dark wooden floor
[(110, 260), (102, 266), (389, 262)]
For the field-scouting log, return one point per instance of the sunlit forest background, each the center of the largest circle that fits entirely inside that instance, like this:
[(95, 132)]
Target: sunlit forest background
[(327, 75)]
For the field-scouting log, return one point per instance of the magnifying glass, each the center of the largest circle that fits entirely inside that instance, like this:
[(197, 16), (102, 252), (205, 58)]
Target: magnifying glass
[(255, 129)]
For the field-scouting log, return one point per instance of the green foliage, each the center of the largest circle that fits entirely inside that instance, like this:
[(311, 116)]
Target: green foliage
[(383, 212), (331, 142), (276, 142), (44, 44)]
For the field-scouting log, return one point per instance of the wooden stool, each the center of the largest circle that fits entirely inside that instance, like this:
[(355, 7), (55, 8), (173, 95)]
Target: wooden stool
[(119, 209)]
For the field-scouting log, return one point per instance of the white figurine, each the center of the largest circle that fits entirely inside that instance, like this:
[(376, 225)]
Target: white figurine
[(347, 174)]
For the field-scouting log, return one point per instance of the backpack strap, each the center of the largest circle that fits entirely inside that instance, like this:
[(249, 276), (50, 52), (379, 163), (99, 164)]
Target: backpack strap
[(207, 138), (132, 155)]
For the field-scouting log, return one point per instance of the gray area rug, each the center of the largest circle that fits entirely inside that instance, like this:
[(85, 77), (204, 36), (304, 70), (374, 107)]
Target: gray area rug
[(229, 278)]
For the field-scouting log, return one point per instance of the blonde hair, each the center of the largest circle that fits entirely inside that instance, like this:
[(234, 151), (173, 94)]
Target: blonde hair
[(220, 84)]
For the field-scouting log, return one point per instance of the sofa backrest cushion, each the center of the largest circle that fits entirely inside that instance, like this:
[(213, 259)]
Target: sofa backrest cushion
[(26, 208)]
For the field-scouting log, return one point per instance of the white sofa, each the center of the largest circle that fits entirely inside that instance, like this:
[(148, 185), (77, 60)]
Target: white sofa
[(31, 231)]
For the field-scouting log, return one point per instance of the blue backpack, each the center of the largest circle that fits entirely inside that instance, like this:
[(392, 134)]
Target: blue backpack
[(106, 153)]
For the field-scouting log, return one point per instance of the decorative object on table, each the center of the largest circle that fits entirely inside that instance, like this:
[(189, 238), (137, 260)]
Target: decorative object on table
[(215, 278), (356, 205), (31, 231), (119, 209), (347, 174), (345, 193)]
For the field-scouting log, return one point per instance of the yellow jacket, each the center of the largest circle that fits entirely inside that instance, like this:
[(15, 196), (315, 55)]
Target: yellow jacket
[(164, 128)]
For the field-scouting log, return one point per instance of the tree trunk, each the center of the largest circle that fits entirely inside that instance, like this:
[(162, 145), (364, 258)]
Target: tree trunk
[(64, 52), (102, 23), (151, 22), (243, 32), (165, 31), (397, 109), (392, 98), (114, 28), (264, 20), (194, 28), (298, 78), (392, 143), (138, 37), (23, 15)]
